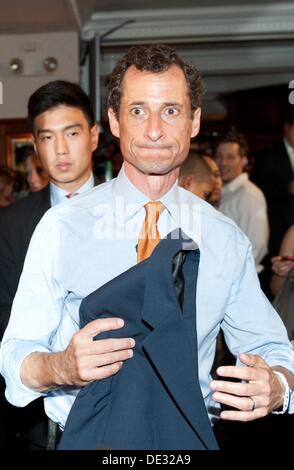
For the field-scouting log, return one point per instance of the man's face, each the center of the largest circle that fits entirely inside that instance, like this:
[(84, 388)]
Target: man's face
[(229, 161), (64, 142), (36, 175), (217, 187), (154, 123), (289, 133)]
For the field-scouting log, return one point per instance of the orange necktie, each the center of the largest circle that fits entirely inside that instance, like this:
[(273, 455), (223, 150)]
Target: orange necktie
[(149, 235)]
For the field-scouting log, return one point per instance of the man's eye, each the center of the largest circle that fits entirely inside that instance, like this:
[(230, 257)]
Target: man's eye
[(137, 111), (46, 137), (172, 111)]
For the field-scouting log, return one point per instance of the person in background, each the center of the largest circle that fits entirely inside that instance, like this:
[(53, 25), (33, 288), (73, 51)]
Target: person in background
[(215, 196), (242, 200), (284, 262), (6, 187), (273, 172), (37, 177), (200, 174), (65, 135), (196, 176)]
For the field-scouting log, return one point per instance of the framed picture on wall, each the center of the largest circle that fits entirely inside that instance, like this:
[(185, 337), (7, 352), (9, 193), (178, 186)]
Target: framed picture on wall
[(16, 145)]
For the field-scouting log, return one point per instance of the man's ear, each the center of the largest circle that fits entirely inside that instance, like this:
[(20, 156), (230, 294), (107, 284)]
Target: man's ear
[(244, 161), (196, 122), (34, 144), (94, 136), (113, 123), (185, 181)]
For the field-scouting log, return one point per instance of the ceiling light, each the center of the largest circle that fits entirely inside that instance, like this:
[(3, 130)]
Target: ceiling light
[(16, 66), (50, 64)]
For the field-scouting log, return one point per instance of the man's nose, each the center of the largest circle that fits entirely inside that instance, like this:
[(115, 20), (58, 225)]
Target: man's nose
[(154, 130), (61, 145), (221, 162)]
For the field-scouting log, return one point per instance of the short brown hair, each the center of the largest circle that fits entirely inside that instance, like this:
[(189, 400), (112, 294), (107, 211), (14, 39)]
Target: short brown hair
[(235, 137), (155, 59), (197, 166)]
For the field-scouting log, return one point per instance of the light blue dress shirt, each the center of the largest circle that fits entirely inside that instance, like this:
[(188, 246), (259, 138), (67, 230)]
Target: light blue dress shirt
[(58, 195), (78, 247)]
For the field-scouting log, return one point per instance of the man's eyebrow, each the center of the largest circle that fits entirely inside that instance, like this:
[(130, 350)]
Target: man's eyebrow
[(173, 103), (66, 128), (168, 103), (137, 103)]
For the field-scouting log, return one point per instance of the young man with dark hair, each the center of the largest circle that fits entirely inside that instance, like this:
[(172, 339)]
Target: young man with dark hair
[(64, 136), (78, 248)]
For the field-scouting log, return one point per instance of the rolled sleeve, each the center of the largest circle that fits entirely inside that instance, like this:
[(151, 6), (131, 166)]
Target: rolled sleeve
[(252, 326), (36, 310), (15, 353)]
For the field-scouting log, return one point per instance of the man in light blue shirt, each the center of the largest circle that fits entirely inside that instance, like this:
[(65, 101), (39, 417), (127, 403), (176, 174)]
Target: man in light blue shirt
[(154, 111), (65, 135)]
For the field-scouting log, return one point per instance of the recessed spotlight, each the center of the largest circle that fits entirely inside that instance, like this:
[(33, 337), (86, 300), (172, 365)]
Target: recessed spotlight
[(50, 64), (16, 65)]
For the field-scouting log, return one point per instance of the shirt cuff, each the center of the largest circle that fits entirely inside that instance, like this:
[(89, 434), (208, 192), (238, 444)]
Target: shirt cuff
[(16, 392)]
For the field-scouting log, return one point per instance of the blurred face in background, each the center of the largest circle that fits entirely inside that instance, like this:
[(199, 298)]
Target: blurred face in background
[(6, 187), (37, 177), (229, 160), (215, 195)]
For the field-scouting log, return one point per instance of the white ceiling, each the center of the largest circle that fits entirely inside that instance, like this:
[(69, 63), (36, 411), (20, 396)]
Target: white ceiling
[(35, 16), (235, 43)]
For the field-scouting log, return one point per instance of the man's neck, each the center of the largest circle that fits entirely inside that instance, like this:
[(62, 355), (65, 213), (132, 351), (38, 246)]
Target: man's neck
[(72, 186), (153, 186), (225, 183)]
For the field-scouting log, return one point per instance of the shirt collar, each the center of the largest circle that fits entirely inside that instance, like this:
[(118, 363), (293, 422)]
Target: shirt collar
[(58, 194), (133, 199), (236, 183)]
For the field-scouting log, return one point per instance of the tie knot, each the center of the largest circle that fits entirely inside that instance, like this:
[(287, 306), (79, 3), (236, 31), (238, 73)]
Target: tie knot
[(153, 211)]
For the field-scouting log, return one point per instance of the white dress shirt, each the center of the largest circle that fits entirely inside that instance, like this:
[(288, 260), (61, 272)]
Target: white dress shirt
[(78, 247), (245, 203), (58, 195)]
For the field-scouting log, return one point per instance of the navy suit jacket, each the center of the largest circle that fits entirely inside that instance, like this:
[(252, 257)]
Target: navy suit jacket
[(155, 401), (18, 222)]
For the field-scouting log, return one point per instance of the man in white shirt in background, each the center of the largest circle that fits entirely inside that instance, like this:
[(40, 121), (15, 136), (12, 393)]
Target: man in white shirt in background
[(241, 199)]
